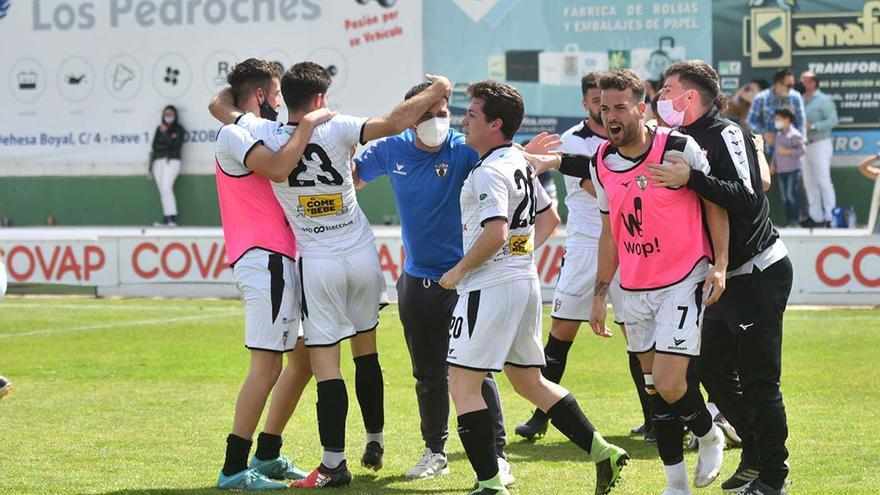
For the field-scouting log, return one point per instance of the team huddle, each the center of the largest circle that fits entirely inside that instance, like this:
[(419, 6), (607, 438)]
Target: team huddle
[(670, 224)]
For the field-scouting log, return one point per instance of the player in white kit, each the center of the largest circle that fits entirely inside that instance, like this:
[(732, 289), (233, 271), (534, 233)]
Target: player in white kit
[(497, 322), (342, 283)]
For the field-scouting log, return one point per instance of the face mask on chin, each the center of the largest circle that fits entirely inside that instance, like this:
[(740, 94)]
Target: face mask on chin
[(268, 112), (433, 132), (667, 112)]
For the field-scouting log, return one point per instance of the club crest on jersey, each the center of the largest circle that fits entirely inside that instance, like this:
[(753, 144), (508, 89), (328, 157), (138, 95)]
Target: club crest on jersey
[(441, 169), (642, 181)]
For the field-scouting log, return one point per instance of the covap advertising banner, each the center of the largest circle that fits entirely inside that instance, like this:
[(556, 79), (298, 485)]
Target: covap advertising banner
[(544, 48), (839, 41), (87, 80)]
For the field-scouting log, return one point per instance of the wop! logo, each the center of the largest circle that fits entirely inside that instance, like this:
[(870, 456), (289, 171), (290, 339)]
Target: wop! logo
[(4, 8)]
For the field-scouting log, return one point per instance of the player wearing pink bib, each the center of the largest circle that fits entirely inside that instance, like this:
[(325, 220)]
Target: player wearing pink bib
[(261, 249), (657, 237)]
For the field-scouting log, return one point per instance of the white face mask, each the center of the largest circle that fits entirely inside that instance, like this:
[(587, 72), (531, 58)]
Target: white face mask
[(668, 112), (167, 119), (779, 124), (433, 132)]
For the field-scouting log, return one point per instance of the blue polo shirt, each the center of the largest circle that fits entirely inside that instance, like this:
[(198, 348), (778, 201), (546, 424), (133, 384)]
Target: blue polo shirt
[(427, 187)]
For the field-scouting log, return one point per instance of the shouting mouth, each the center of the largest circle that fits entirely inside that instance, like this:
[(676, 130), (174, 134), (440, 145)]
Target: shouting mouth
[(615, 129)]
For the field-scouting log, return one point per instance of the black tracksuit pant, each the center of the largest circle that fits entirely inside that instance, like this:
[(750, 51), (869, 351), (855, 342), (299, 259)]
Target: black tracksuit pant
[(741, 364), (425, 312)]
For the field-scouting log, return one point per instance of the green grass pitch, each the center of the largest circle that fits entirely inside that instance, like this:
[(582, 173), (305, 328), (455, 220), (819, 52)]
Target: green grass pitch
[(136, 396)]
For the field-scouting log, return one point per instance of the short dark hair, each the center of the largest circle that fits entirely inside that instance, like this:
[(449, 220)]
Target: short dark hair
[(590, 81), (418, 88), (701, 77), (623, 79), (249, 75), (781, 74), (814, 78), (785, 112), (500, 101), (303, 81)]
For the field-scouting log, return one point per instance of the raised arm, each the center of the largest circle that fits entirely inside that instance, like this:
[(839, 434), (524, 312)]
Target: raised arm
[(222, 106), (408, 112)]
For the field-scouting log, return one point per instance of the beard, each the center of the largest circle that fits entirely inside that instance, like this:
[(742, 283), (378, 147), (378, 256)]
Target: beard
[(595, 117), (626, 136)]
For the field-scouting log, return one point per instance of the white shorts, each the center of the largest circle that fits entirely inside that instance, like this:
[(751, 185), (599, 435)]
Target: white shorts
[(666, 320), (268, 286), (496, 326), (573, 298), (341, 296)]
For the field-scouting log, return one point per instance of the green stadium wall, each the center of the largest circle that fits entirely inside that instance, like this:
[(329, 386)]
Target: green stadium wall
[(133, 200)]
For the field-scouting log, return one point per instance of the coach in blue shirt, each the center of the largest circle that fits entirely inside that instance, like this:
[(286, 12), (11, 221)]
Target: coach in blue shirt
[(427, 166)]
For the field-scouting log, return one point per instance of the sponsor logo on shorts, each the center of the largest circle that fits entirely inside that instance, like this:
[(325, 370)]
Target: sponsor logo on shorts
[(677, 346), (557, 304), (284, 337), (321, 205), (320, 229), (521, 245)]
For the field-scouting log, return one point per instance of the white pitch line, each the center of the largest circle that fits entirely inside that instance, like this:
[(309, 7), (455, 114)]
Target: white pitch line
[(90, 306), (154, 321)]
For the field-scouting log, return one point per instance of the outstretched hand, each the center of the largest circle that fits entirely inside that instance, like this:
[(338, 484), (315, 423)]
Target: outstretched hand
[(543, 144)]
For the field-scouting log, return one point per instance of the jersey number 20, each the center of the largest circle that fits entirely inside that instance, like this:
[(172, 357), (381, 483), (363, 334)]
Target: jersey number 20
[(312, 150)]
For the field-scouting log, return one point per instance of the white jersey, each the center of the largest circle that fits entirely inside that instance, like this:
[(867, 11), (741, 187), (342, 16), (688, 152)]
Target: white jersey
[(319, 197), (504, 186), (584, 223)]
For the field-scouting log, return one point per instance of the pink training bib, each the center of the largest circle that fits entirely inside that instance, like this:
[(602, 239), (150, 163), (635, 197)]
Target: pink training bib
[(251, 216), (658, 231)]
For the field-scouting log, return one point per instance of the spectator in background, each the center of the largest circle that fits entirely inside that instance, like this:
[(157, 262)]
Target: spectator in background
[(738, 106), (165, 163), (821, 118), (871, 171), (762, 112), (786, 163)]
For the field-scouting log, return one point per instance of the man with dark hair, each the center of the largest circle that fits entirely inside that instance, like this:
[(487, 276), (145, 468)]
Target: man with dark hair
[(427, 165), (343, 288), (572, 300), (741, 358), (658, 239), (821, 116), (496, 324), (781, 94), (261, 249)]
